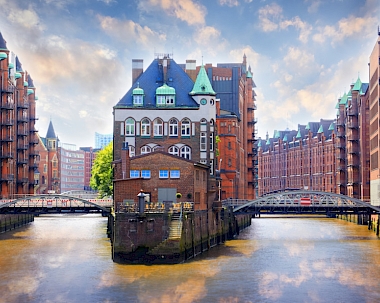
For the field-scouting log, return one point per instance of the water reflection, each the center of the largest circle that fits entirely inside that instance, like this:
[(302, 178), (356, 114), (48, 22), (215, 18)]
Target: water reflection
[(68, 259)]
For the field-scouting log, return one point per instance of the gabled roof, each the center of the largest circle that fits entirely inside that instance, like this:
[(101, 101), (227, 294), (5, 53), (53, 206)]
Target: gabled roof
[(202, 85), (357, 85), (3, 44), (153, 78), (50, 132), (30, 81), (18, 65)]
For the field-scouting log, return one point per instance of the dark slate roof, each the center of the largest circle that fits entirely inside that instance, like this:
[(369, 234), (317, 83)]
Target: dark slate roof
[(51, 133), (30, 81), (18, 65), (152, 78), (3, 44)]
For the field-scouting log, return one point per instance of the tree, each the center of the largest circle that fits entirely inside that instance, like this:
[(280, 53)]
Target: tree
[(101, 172)]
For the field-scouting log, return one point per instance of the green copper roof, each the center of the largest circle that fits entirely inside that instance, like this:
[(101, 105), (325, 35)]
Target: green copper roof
[(307, 127), (3, 55), (337, 105), (138, 91), (358, 85), (165, 90), (25, 83), (249, 75), (268, 142), (30, 91), (202, 85), (343, 100), (299, 134), (285, 138), (320, 130), (277, 135), (259, 144), (332, 126), (11, 65), (17, 75)]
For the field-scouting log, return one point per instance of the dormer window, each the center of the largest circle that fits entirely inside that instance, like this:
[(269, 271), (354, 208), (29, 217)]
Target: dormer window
[(138, 95), (165, 96)]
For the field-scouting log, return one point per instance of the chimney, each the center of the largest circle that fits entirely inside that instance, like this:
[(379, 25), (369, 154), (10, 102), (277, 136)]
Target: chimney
[(191, 69), (137, 69), (125, 161)]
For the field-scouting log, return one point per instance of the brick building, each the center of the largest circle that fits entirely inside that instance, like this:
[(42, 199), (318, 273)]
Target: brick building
[(160, 176), (374, 118), (18, 137), (165, 110)]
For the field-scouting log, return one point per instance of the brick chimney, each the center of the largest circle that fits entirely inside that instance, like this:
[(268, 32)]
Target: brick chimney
[(137, 69), (125, 161)]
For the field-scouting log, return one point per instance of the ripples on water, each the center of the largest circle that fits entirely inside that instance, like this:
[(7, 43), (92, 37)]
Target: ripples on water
[(67, 258)]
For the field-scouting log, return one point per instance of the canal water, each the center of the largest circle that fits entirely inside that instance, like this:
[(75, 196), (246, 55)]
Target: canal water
[(67, 258)]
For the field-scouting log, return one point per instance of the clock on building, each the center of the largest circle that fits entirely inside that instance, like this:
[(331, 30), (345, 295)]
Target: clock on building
[(203, 101)]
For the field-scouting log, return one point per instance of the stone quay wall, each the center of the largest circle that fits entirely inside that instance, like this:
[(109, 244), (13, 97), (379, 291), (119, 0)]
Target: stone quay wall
[(10, 221), (148, 239)]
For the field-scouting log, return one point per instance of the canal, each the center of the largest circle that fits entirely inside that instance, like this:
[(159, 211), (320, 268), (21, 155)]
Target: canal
[(67, 258)]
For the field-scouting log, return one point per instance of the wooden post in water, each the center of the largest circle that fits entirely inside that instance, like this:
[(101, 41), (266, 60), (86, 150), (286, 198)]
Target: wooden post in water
[(378, 223)]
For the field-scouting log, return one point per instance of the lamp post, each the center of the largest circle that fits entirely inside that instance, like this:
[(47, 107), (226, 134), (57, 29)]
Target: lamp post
[(141, 196)]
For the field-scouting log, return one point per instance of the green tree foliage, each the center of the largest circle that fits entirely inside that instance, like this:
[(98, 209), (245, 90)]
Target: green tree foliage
[(101, 173)]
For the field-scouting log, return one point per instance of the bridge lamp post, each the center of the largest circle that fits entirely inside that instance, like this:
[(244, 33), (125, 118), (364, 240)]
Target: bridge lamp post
[(141, 196)]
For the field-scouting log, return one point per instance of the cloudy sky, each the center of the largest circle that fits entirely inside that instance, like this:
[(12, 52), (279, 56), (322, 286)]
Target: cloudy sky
[(304, 54)]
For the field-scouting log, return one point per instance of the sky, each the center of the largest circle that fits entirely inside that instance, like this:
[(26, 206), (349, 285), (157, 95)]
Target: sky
[(304, 54)]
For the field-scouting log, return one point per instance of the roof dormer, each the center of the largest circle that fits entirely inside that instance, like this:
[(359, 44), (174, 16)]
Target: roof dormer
[(165, 95), (138, 95)]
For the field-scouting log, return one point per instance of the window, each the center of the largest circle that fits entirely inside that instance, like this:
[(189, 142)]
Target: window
[(161, 100), (145, 174), (211, 141), (146, 150), (186, 152), (137, 99), (134, 173), (145, 127), (164, 173), (173, 127), (174, 174), (132, 151), (185, 127), (174, 150), (157, 127), (130, 127), (203, 142)]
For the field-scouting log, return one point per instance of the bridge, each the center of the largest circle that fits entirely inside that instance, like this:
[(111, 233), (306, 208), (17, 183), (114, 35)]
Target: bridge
[(302, 202), (53, 204)]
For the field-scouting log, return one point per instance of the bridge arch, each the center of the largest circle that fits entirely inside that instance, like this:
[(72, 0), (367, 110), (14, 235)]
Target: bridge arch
[(302, 200), (45, 202)]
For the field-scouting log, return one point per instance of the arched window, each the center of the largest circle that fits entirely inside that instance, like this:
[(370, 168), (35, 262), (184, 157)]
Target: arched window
[(132, 151), (185, 127), (145, 150), (186, 152), (129, 127), (157, 147), (145, 127), (158, 127), (174, 150), (173, 127)]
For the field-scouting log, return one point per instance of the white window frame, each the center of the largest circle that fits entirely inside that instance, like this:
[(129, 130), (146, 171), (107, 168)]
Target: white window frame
[(173, 127), (132, 151), (137, 99), (175, 174), (163, 174), (185, 127), (174, 150), (145, 127), (185, 152), (160, 100), (211, 141), (145, 149), (130, 127), (133, 173), (145, 173), (203, 141), (158, 127)]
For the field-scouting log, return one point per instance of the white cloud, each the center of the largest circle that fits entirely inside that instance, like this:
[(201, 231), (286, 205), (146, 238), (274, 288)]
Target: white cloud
[(252, 56), (303, 27), (193, 13), (210, 41), (314, 6), (128, 31), (230, 3), (299, 60)]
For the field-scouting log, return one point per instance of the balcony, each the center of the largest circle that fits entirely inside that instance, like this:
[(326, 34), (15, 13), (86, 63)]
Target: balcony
[(22, 180), (353, 111), (23, 104), (33, 154), (22, 133), (7, 106), (22, 119), (34, 130), (33, 166), (22, 161), (6, 155), (33, 141), (353, 125), (7, 122), (7, 178), (22, 146), (340, 145), (7, 139), (8, 89), (33, 118)]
